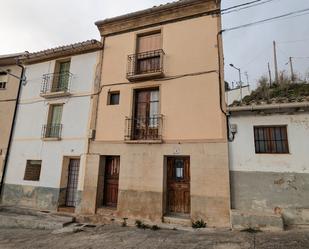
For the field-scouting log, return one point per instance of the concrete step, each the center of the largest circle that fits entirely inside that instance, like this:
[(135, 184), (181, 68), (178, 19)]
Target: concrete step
[(175, 220), (256, 220), (33, 219)]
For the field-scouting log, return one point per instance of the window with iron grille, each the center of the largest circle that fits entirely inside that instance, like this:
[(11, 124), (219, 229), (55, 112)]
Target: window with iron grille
[(33, 170), (271, 140), (3, 80), (148, 60)]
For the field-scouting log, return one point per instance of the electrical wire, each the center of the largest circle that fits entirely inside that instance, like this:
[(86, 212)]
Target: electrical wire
[(284, 42), (244, 4), (265, 20), (223, 12)]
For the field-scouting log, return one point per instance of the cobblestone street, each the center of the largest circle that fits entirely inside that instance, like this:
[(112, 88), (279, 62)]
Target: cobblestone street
[(115, 236)]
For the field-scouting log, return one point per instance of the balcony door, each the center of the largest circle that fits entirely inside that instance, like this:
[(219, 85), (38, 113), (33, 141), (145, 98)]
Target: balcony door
[(54, 121), (62, 76), (148, 57), (146, 114)]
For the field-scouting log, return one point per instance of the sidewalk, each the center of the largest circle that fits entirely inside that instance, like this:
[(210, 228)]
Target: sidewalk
[(117, 237)]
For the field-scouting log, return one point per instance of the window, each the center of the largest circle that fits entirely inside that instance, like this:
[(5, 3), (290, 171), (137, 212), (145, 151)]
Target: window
[(179, 169), (33, 170), (271, 140), (3, 80), (53, 127), (113, 98), (146, 114), (148, 53), (62, 76)]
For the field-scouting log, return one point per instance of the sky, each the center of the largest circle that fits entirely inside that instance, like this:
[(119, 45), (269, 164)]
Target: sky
[(33, 25)]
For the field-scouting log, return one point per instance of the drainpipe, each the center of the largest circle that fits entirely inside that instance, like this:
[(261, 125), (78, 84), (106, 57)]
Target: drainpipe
[(96, 94), (12, 130)]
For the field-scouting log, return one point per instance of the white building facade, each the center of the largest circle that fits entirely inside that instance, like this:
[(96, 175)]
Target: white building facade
[(268, 157), (51, 135)]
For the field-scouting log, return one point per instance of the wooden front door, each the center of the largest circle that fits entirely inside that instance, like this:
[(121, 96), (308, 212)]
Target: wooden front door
[(178, 185), (111, 181), (72, 183)]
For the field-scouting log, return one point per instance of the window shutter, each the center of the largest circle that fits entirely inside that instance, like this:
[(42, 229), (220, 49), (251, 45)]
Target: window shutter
[(148, 43)]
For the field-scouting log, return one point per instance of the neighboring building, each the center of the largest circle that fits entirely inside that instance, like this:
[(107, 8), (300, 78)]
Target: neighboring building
[(51, 131), (236, 94), (10, 74), (269, 164), (160, 147)]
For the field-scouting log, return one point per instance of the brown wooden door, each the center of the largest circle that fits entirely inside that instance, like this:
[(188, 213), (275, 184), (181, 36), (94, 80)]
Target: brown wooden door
[(111, 181), (178, 185)]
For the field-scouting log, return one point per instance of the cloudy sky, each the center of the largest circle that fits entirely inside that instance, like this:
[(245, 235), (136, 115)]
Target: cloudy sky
[(32, 25)]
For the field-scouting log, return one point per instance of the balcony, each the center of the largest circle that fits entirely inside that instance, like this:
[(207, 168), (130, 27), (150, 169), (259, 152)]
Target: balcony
[(52, 132), (56, 85), (145, 65), (144, 129)]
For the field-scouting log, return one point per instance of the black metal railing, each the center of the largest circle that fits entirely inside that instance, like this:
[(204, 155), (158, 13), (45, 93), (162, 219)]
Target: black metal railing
[(145, 63), (144, 128), (56, 82), (52, 131)]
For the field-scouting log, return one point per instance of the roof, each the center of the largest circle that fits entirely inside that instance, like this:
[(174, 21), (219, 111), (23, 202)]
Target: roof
[(57, 52), (10, 59), (160, 14), (277, 97)]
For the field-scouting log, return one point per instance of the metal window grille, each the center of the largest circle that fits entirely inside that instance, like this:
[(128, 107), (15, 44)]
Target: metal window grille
[(271, 139), (72, 183)]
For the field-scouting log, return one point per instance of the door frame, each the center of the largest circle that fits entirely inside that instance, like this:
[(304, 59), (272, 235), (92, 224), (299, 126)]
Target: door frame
[(64, 181), (165, 187)]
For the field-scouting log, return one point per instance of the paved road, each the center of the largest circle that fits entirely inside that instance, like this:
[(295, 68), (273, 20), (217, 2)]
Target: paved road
[(116, 237)]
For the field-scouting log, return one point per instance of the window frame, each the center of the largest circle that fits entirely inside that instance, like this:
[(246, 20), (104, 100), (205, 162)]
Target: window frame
[(3, 84), (110, 93), (28, 164), (270, 142)]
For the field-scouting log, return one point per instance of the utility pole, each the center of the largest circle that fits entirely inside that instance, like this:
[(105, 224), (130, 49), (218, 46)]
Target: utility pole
[(276, 63), (247, 77), (292, 70), (269, 72)]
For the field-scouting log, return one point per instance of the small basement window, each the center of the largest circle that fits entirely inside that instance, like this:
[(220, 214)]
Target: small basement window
[(33, 170), (271, 140), (113, 98)]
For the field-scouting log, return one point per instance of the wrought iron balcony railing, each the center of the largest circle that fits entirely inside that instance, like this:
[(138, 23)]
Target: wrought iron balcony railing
[(52, 131), (144, 128), (145, 64), (56, 82)]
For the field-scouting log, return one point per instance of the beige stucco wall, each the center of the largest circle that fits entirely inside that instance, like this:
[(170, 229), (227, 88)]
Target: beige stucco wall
[(193, 125), (7, 106), (142, 184), (190, 105)]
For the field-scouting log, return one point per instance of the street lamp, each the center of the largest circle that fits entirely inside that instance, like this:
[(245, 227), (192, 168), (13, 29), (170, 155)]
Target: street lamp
[(240, 81)]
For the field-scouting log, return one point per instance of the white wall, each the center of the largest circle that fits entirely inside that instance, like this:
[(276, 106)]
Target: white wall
[(32, 115), (235, 94), (242, 150)]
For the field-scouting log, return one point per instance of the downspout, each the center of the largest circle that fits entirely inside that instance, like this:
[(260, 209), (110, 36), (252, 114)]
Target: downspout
[(96, 94), (12, 130)]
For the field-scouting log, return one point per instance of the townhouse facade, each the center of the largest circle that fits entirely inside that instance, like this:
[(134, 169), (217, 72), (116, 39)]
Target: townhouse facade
[(50, 138), (160, 148), (10, 74), (269, 166)]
